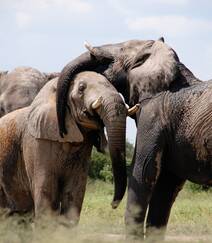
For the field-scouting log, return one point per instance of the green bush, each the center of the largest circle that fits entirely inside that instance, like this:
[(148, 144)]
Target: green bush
[(197, 188), (101, 167)]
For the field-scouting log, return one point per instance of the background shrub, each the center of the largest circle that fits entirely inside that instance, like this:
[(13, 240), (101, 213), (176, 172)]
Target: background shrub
[(197, 188), (101, 168), (100, 164)]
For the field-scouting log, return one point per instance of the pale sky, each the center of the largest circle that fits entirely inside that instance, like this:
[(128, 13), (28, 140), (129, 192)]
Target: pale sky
[(46, 34)]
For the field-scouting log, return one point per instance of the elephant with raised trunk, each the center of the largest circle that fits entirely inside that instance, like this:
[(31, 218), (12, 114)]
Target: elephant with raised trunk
[(19, 87), (42, 171), (140, 70)]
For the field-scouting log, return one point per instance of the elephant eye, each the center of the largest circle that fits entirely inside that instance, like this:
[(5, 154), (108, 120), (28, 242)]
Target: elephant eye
[(82, 87)]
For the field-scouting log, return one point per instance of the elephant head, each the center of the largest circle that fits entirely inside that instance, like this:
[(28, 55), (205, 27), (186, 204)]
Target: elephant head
[(148, 66), (138, 69), (92, 104)]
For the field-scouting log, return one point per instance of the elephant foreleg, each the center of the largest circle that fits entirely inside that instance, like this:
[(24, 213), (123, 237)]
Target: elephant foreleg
[(3, 199), (140, 189), (46, 194), (145, 173), (164, 195), (73, 194)]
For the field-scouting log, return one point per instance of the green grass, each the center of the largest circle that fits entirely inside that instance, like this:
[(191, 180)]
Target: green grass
[(192, 213), (191, 220)]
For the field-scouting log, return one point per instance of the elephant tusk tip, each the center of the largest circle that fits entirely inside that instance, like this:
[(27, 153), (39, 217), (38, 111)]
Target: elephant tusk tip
[(115, 204), (133, 110), (97, 103), (88, 45)]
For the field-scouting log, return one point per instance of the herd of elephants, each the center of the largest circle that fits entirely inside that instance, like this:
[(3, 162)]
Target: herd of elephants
[(50, 122)]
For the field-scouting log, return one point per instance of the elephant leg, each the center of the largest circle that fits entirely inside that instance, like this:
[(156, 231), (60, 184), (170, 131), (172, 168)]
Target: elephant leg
[(3, 199), (164, 195), (73, 193), (140, 188), (137, 203), (46, 199), (145, 173), (42, 163)]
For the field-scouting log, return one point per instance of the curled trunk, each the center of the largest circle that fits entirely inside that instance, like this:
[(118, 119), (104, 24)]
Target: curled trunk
[(85, 62), (67, 74)]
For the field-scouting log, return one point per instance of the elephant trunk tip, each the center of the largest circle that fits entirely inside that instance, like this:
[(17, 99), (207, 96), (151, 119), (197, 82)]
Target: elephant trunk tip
[(115, 203)]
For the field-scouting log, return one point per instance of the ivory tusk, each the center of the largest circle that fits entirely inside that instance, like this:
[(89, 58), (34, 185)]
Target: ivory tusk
[(133, 110), (97, 103), (88, 46)]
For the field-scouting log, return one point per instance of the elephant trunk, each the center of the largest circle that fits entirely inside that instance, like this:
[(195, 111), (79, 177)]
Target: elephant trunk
[(85, 62), (113, 115)]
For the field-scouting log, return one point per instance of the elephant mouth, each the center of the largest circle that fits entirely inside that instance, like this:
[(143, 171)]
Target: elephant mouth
[(86, 120)]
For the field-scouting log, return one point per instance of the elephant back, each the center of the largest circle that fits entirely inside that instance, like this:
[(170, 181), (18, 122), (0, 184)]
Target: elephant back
[(12, 126), (25, 76)]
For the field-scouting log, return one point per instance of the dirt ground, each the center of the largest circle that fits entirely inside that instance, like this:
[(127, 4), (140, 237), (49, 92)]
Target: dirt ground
[(107, 238)]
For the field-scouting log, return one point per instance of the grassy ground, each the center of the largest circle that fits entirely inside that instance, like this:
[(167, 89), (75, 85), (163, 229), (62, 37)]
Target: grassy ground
[(191, 221)]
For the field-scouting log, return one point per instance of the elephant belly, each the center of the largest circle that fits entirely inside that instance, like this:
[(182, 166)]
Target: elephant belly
[(192, 163), (202, 174)]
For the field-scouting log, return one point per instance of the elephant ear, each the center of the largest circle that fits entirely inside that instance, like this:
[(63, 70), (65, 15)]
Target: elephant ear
[(42, 119), (154, 69), (161, 39)]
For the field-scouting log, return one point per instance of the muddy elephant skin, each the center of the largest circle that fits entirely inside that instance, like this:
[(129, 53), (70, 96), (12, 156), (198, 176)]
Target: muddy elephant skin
[(44, 172)]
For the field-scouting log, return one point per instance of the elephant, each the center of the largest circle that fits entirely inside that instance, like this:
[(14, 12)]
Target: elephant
[(140, 70), (174, 144), (44, 172), (19, 87)]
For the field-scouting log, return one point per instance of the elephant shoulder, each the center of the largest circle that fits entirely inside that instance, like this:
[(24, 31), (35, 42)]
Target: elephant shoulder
[(155, 110)]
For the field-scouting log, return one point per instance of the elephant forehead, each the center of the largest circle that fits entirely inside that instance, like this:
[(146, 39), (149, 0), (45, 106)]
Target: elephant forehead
[(136, 44), (89, 76), (93, 80)]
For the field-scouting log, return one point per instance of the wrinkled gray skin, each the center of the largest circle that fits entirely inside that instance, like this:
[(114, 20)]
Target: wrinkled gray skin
[(174, 144), (140, 70), (47, 173), (19, 87)]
